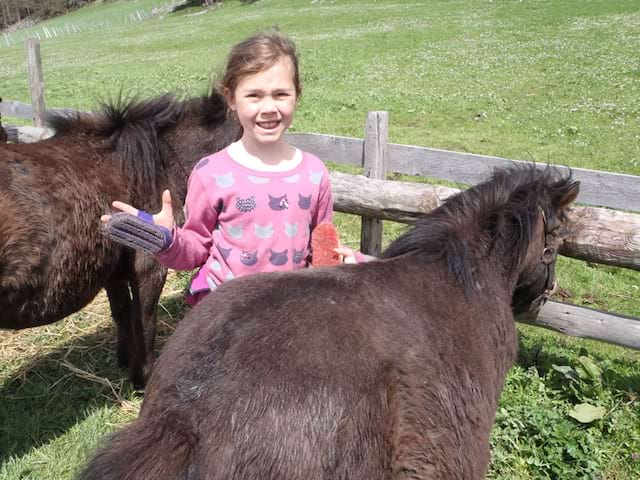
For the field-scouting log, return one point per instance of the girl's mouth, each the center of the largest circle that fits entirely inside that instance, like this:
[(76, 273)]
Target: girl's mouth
[(270, 125)]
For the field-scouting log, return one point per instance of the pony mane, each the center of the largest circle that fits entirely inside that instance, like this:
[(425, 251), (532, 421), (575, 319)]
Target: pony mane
[(133, 129), (500, 211)]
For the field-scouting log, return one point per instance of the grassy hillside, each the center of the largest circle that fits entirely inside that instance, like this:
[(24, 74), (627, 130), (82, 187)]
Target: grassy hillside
[(546, 80), (555, 81)]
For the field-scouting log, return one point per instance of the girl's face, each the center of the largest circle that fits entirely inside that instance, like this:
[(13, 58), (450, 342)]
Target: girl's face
[(265, 103)]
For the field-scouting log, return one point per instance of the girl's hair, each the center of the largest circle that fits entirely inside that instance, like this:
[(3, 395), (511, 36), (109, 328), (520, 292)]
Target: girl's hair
[(256, 54)]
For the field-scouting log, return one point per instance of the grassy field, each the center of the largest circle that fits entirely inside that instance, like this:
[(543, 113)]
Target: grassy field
[(555, 81)]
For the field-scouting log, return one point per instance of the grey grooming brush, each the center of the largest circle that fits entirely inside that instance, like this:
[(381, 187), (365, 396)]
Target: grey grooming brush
[(137, 232)]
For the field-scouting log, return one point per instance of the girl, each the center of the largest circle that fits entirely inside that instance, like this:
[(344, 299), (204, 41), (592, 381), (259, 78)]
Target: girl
[(251, 206)]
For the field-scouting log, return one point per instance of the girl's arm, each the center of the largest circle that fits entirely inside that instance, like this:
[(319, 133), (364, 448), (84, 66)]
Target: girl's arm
[(324, 210), (191, 243)]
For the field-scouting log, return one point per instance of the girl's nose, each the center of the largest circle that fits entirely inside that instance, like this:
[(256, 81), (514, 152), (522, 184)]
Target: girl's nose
[(268, 105)]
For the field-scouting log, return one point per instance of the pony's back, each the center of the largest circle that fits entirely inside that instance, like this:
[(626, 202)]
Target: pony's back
[(288, 376)]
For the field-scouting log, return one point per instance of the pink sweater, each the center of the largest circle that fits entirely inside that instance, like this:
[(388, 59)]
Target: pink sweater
[(241, 221)]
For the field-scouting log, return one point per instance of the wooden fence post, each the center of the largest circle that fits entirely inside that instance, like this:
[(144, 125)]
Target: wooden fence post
[(36, 84), (375, 166)]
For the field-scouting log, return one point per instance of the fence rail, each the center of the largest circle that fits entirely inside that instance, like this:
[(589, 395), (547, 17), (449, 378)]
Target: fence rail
[(605, 189), (23, 111)]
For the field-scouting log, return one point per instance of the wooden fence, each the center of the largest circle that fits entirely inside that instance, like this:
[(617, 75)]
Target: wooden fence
[(601, 235)]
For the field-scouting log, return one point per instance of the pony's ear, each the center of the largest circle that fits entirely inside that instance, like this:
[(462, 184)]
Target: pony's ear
[(567, 194)]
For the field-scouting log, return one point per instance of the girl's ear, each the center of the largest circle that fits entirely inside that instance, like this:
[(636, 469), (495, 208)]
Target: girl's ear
[(230, 99)]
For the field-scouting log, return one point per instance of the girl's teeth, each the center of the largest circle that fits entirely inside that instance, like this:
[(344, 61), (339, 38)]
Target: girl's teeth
[(268, 125)]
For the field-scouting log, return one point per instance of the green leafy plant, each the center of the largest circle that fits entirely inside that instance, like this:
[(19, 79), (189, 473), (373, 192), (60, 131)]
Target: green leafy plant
[(584, 381), (532, 436)]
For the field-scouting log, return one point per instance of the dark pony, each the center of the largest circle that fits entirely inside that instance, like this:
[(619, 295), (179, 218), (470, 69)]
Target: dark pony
[(53, 257), (386, 370)]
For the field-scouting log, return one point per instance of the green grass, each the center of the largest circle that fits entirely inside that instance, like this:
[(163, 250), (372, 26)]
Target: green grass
[(546, 80), (555, 81)]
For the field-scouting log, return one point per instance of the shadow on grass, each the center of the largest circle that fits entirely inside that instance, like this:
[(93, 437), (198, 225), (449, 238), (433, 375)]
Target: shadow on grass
[(46, 397), (618, 373), (57, 390)]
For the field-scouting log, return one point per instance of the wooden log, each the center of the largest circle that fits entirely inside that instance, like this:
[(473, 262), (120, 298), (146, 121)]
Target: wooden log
[(26, 134), (36, 84), (586, 322), (611, 236), (375, 166), (397, 201), (600, 235)]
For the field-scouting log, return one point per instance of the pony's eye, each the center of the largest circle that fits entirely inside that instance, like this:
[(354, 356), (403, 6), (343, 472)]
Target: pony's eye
[(557, 230)]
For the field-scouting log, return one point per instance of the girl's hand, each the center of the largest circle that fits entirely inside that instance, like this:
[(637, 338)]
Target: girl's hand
[(163, 218), (347, 255)]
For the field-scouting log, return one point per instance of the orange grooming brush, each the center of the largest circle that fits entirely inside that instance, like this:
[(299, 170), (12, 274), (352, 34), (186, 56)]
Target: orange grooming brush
[(324, 239)]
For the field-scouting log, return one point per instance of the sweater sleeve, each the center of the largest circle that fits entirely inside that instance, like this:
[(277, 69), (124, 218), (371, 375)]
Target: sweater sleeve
[(324, 211), (192, 242)]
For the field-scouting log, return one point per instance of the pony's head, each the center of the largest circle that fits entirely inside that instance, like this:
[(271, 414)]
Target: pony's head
[(548, 230), (524, 218), (516, 220)]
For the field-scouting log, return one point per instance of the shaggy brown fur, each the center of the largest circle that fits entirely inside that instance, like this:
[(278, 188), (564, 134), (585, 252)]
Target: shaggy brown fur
[(53, 257), (385, 370)]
